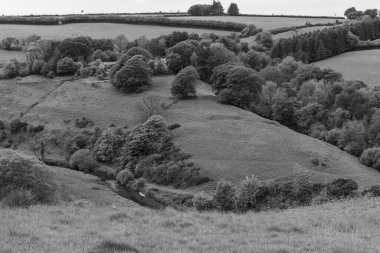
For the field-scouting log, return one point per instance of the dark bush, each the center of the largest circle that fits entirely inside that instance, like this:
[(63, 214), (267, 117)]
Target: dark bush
[(79, 48), (174, 63), (373, 191), (225, 196), (67, 66), (184, 84), (203, 202), (17, 126), (37, 66), (83, 160), (219, 76), (140, 51), (107, 146), (341, 188), (134, 76)]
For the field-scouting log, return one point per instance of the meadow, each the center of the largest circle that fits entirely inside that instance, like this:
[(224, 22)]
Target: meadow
[(95, 30), (347, 226), (357, 65), (266, 23)]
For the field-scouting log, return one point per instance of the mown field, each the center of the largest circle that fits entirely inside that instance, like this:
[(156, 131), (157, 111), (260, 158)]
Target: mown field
[(357, 65), (350, 227), (95, 30), (266, 23)]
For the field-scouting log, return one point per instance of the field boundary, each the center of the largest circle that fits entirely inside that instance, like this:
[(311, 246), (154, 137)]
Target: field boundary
[(254, 15)]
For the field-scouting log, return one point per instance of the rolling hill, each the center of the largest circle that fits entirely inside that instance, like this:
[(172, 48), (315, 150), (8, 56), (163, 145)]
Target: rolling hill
[(227, 142)]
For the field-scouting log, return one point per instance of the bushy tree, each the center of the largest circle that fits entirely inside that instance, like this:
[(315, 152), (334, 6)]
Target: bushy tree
[(184, 84), (341, 188), (255, 60), (76, 48), (107, 146), (216, 8), (37, 66), (233, 10), (371, 158), (243, 87), (371, 12), (67, 66), (185, 50), (199, 10), (140, 51), (353, 138), (265, 39), (10, 70), (134, 76), (175, 63), (284, 108), (219, 76), (349, 10), (272, 74)]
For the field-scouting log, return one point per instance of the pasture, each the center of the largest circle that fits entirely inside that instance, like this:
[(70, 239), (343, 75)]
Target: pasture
[(95, 30), (6, 56), (266, 23), (357, 65), (347, 226)]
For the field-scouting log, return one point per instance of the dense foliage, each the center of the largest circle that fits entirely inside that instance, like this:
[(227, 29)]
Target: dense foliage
[(184, 84)]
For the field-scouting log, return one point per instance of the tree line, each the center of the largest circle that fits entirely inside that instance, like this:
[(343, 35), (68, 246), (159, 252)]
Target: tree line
[(214, 9)]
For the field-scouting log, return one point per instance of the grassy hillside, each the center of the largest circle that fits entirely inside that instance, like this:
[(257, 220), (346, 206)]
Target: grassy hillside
[(266, 23), (95, 30), (357, 65), (350, 226), (226, 141)]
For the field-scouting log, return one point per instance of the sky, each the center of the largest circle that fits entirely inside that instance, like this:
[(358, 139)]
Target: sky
[(295, 7)]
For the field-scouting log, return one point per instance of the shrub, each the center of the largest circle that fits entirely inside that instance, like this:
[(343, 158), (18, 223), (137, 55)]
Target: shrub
[(124, 177), (51, 74), (11, 70), (265, 39), (243, 89), (246, 194), (79, 48), (83, 160), (140, 51), (225, 196), (250, 30), (184, 84), (341, 188), (107, 146), (174, 63), (17, 126), (37, 66), (371, 158), (18, 199), (373, 191), (161, 68), (203, 202), (66, 66), (134, 76), (21, 179), (139, 185), (148, 107), (255, 60), (145, 139), (86, 72), (118, 65)]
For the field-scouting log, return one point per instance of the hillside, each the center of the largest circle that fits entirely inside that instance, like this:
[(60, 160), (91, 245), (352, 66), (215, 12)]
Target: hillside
[(225, 141), (349, 226)]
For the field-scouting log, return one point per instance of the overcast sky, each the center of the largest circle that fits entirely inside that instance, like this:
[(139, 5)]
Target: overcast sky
[(303, 7)]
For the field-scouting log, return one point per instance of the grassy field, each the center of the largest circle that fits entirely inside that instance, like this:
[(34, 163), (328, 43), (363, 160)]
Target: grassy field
[(227, 142), (350, 227), (358, 65), (6, 56), (95, 30), (266, 23)]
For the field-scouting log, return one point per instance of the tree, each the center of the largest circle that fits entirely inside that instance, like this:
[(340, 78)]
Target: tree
[(185, 83), (254, 60), (134, 76), (76, 48), (233, 10), (349, 10), (355, 15), (371, 12), (216, 8), (199, 10), (265, 39), (67, 66), (243, 87)]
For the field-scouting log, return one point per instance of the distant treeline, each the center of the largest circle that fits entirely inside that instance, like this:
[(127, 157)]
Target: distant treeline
[(136, 20), (258, 15), (291, 28), (117, 13), (318, 45)]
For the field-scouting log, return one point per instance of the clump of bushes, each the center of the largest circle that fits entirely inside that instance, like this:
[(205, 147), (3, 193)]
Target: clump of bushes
[(134, 76), (67, 66), (371, 158), (203, 202), (83, 160), (184, 84), (107, 146), (24, 183)]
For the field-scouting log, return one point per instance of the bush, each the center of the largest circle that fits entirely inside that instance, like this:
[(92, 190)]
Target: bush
[(21, 179), (10, 70), (134, 76), (184, 84), (265, 39), (79, 48), (225, 196), (341, 188), (373, 191), (161, 68), (246, 195), (250, 30), (243, 88), (203, 202), (174, 63), (107, 146), (140, 51), (145, 139), (37, 66), (149, 106), (255, 60), (66, 66), (139, 185), (17, 126), (124, 177), (371, 158), (83, 160), (51, 74)]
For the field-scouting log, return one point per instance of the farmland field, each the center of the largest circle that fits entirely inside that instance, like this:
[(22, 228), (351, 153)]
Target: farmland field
[(358, 65), (95, 30), (6, 56), (266, 23)]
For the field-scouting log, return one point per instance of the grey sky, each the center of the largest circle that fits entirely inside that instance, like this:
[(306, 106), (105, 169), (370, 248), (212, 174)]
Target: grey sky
[(304, 7)]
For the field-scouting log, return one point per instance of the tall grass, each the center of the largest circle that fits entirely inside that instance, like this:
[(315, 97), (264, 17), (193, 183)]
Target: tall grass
[(148, 107)]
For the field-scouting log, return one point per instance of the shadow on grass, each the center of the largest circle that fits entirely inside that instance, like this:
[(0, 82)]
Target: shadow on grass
[(113, 247)]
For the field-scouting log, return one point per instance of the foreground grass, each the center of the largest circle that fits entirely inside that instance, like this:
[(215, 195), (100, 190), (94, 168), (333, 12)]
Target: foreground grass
[(352, 226)]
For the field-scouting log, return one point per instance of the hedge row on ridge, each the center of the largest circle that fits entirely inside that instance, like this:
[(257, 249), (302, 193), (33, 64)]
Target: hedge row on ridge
[(136, 20)]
